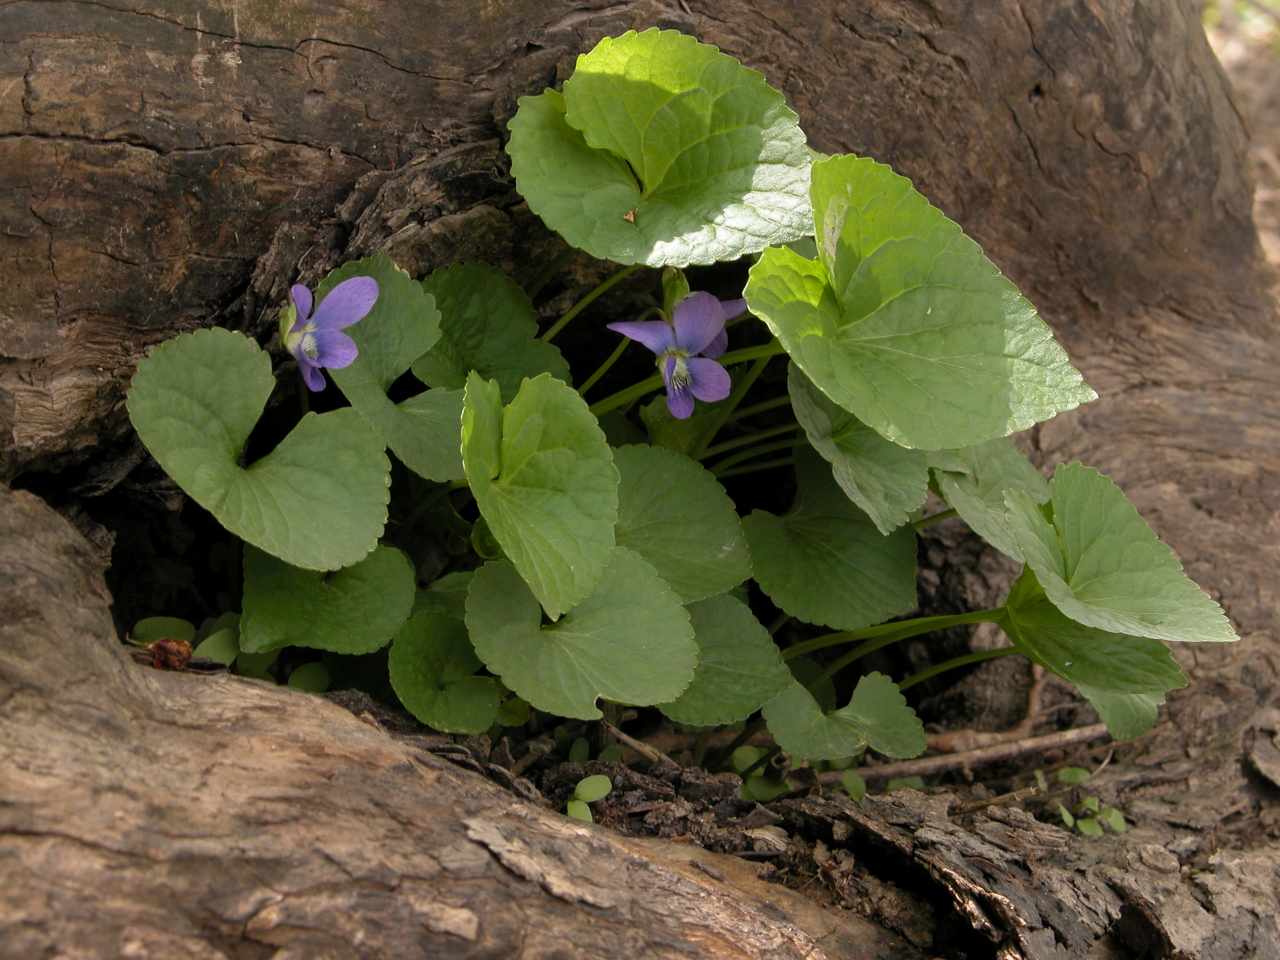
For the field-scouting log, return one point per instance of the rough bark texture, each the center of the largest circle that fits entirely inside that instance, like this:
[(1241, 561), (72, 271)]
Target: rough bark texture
[(171, 165)]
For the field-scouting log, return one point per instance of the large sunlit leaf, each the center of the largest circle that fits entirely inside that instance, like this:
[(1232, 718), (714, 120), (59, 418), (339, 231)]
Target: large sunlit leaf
[(974, 481), (887, 481), (423, 431), (825, 562), (674, 513), (629, 642), (319, 500), (1101, 565), (1124, 677), (739, 666), (877, 716), (663, 150), (488, 325), (433, 667), (904, 322), (544, 479), (354, 610)]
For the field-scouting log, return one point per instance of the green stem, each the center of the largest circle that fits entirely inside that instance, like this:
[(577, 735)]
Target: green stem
[(750, 438), (634, 392), (935, 518), (763, 406), (756, 467), (725, 410), (752, 452), (954, 663), (761, 761), (898, 630), (600, 289), (779, 622), (601, 370)]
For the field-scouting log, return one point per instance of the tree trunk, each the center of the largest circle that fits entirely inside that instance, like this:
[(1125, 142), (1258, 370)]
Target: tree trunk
[(173, 165)]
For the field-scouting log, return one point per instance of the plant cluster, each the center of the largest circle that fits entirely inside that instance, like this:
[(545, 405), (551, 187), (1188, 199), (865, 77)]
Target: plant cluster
[(597, 568)]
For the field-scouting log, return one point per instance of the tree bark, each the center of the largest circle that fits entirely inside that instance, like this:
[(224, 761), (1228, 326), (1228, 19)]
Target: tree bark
[(171, 165)]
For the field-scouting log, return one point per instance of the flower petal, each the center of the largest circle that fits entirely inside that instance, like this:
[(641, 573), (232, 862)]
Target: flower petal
[(301, 298), (657, 335), (311, 376), (334, 349), (733, 308), (708, 381), (717, 346), (698, 318), (680, 403), (345, 304)]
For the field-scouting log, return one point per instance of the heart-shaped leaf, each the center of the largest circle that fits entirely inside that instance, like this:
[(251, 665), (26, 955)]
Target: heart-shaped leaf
[(424, 430), (488, 325), (739, 667), (904, 322), (433, 667), (974, 480), (544, 479), (675, 514), (876, 716), (355, 610), (1124, 677), (825, 562), (319, 500), (1101, 565), (663, 150), (630, 641), (887, 481)]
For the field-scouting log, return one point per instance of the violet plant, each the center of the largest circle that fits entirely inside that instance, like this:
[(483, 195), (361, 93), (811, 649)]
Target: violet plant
[(583, 567)]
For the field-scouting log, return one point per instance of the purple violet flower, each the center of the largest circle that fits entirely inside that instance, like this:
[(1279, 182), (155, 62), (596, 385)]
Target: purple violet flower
[(686, 348), (316, 340)]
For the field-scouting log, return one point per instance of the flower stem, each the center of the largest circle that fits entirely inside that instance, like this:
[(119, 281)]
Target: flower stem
[(763, 407), (598, 291), (756, 467), (752, 452), (724, 410), (750, 438), (954, 663), (634, 392), (898, 630), (601, 370), (933, 518)]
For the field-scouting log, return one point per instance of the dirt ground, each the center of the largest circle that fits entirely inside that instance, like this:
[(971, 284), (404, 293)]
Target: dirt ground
[(1246, 37)]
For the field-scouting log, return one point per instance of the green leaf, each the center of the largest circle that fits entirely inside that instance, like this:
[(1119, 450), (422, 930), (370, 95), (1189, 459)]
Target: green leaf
[(593, 788), (310, 677), (355, 610), (764, 788), (150, 629), (853, 785), (743, 758), (319, 500), (887, 481), (545, 482), (1114, 819), (514, 712), (447, 595), (682, 436), (1090, 805), (974, 480), (220, 646), (739, 667), (663, 150), (579, 751), (812, 675), (1089, 827), (1102, 566), (1066, 816), (423, 431), (1073, 776), (257, 665), (1124, 677), (630, 641), (578, 810), (432, 667), (211, 625), (825, 562), (877, 716), (488, 325), (904, 322), (674, 513)]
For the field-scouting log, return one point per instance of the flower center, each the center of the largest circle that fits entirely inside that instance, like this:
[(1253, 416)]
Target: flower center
[(680, 378), (309, 346)]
